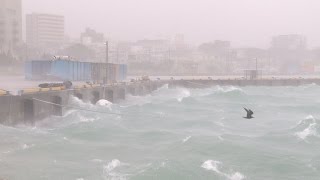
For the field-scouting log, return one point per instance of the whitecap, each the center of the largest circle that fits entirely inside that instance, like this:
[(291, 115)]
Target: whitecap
[(212, 165), (220, 138), (69, 112), (26, 146), (184, 93), (164, 87), (111, 165), (232, 89), (228, 91), (306, 120), (310, 117), (311, 130), (85, 119), (108, 171), (237, 176), (186, 139), (78, 102), (103, 102)]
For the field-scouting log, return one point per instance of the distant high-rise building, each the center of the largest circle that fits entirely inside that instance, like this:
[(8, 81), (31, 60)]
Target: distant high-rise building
[(44, 29), (179, 40), (289, 52), (91, 36), (289, 42), (10, 24)]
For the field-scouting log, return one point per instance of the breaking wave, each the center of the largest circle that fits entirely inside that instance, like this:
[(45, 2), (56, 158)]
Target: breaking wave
[(212, 165), (110, 173), (186, 139), (229, 90), (105, 103), (307, 127)]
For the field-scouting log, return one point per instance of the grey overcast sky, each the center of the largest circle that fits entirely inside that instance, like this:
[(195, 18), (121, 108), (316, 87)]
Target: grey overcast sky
[(246, 23)]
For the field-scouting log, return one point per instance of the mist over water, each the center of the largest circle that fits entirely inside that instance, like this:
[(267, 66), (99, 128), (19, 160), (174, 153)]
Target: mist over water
[(174, 134)]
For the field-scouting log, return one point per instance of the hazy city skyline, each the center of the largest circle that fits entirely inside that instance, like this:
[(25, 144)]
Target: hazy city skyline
[(245, 22)]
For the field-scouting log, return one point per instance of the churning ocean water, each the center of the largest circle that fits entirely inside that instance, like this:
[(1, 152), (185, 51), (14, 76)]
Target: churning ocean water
[(177, 134)]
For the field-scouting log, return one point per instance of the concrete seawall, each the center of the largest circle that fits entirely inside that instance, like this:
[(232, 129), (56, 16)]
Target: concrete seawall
[(30, 106), (27, 109)]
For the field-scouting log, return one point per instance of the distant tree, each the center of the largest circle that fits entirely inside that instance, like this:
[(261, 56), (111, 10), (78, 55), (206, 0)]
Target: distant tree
[(78, 51)]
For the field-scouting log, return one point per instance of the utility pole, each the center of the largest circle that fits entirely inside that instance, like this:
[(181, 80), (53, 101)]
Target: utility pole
[(26, 53), (257, 73), (107, 63), (117, 53), (227, 68), (107, 52)]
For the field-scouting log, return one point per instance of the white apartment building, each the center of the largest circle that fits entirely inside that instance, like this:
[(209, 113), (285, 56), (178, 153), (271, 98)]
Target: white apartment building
[(10, 24), (44, 30)]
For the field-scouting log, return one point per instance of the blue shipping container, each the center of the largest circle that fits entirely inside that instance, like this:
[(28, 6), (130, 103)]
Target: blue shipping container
[(71, 70), (60, 70), (74, 71), (37, 70), (123, 72), (28, 70)]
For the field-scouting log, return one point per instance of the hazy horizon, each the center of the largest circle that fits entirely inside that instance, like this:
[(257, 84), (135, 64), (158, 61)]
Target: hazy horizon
[(246, 23)]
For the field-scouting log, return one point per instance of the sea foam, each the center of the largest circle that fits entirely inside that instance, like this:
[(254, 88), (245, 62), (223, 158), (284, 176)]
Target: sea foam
[(109, 171), (311, 130), (104, 103), (186, 139), (309, 125), (112, 165), (184, 93), (212, 165), (26, 146)]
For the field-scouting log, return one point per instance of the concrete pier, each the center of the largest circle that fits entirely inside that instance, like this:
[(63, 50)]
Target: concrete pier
[(32, 105)]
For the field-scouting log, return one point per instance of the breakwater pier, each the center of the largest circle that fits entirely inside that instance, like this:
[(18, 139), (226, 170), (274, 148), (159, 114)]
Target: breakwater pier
[(33, 104)]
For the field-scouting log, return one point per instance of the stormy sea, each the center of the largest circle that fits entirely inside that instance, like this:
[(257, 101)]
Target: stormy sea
[(178, 134)]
